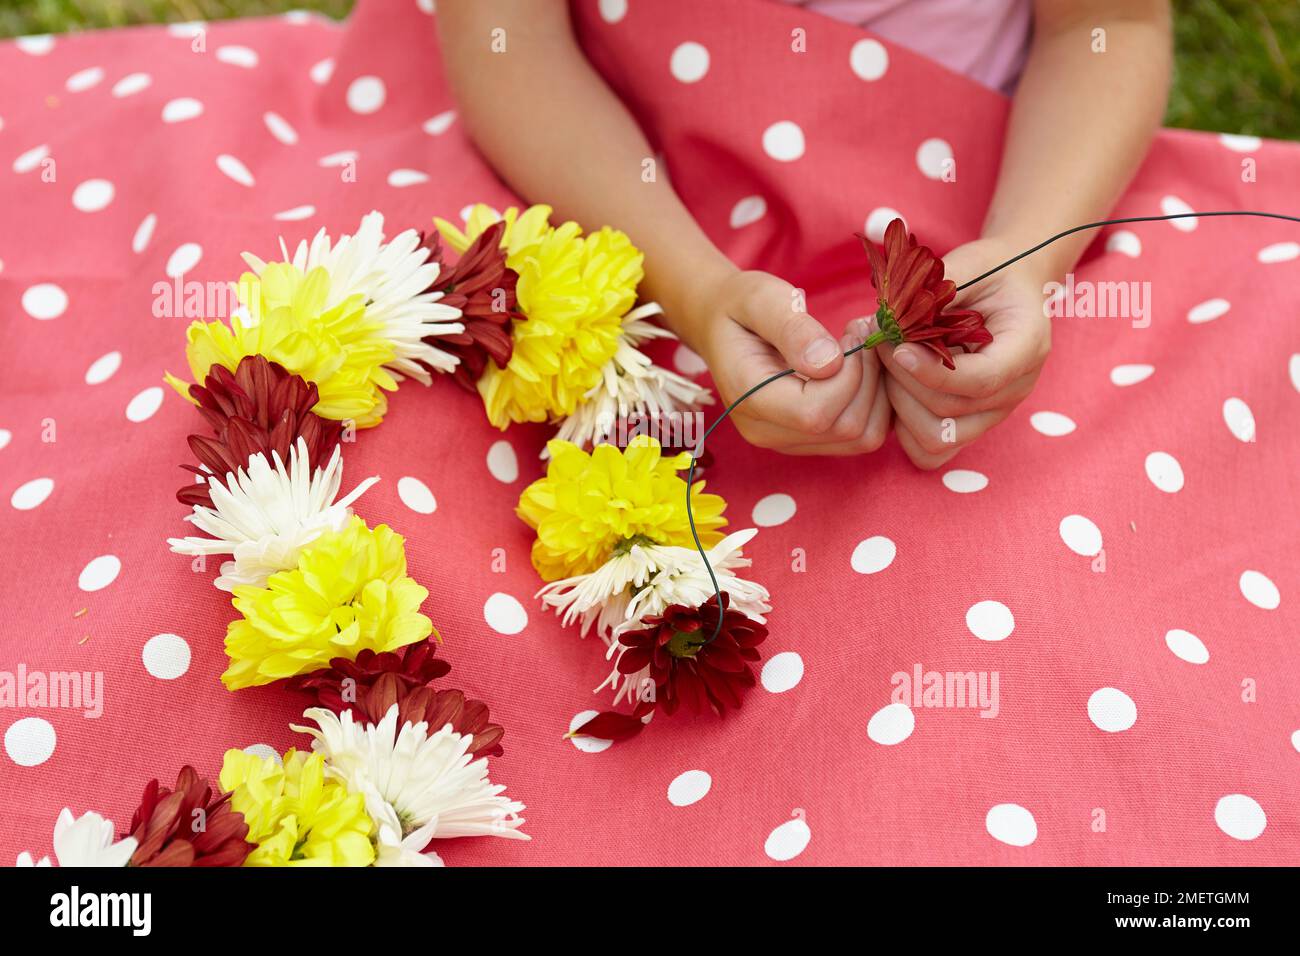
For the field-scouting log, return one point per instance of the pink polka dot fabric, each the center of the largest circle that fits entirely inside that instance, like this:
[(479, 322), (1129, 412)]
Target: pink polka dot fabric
[(1119, 556)]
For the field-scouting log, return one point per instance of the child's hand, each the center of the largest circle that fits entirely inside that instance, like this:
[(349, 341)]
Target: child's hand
[(751, 325), (939, 411)]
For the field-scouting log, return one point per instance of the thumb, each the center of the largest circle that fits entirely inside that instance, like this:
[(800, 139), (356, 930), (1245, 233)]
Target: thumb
[(802, 341)]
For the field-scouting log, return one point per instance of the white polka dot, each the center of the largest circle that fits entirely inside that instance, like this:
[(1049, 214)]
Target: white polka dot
[(1295, 740), (142, 407), (502, 463), (341, 158), (30, 741), (235, 169), (782, 672), (366, 94), (1011, 824), (1293, 370), (437, 125), (1051, 424), (773, 510), (187, 30), (1172, 206), (322, 70), (891, 724), (689, 787), (588, 745), (1112, 710), (143, 233), (426, 6), (1240, 816), (237, 56), (166, 656), (748, 211), (415, 494), (689, 62), (690, 364), (1080, 535), (296, 213), (92, 195), (36, 45), (1125, 242), (279, 127), (611, 11), (1186, 646), (878, 221), (787, 841), (990, 620), (103, 368), (181, 109), (869, 59), (964, 482), (45, 301), (1164, 471), (99, 573), (131, 84), (1239, 419), (83, 80), (1239, 143), (933, 158), (1124, 375), (783, 141), (505, 614), (185, 258), (1279, 252), (31, 494), (6, 436), (1208, 311), (1259, 590), (262, 752), (874, 554), (407, 177), (32, 158)]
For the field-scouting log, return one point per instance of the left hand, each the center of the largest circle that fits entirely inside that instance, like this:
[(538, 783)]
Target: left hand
[(939, 411)]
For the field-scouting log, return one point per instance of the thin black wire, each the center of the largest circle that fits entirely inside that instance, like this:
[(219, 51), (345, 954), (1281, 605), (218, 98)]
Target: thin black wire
[(690, 475)]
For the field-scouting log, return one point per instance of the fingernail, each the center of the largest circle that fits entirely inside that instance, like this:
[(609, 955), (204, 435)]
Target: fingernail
[(906, 358), (821, 352), (859, 329)]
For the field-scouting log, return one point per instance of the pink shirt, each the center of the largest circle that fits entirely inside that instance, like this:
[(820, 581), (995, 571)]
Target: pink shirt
[(987, 40)]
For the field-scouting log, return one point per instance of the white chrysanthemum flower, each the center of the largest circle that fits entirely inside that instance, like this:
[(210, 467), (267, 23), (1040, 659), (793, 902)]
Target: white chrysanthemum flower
[(392, 277), (632, 387), (413, 780), (393, 849), (643, 579), (266, 513), (86, 840)]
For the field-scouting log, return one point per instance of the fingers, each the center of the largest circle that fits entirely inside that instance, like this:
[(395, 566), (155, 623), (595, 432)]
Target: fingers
[(1016, 349), (809, 408), (928, 439), (774, 311)]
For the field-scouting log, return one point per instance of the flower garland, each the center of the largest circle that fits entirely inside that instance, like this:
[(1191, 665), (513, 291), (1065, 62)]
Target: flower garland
[(542, 322)]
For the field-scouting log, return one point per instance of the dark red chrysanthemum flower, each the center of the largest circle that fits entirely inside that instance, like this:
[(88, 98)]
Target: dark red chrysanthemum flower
[(184, 826), (260, 407), (912, 295), (482, 286), (685, 665), (371, 684)]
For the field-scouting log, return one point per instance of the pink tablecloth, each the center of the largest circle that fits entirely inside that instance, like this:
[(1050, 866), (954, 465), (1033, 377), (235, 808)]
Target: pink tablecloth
[(1116, 741)]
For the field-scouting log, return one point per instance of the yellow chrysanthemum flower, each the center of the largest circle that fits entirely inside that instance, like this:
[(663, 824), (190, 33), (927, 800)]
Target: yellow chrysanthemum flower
[(349, 592), (295, 815), (589, 504), (339, 348), (574, 290)]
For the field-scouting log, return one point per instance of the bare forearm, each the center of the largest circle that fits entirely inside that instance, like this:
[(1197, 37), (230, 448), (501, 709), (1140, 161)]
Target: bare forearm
[(552, 128), (1080, 124)]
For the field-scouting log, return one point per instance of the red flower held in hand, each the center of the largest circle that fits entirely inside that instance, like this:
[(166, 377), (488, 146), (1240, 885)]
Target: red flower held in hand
[(186, 827), (373, 683), (260, 407), (912, 295), (482, 286), (685, 666)]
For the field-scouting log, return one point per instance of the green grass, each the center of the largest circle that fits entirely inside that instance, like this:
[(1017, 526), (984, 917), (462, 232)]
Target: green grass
[(1237, 67)]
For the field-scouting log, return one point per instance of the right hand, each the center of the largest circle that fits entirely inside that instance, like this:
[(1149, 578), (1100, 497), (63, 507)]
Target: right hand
[(749, 326)]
